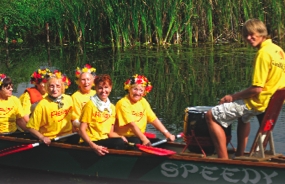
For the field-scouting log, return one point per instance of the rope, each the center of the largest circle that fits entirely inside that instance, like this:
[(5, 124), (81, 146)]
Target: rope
[(201, 141)]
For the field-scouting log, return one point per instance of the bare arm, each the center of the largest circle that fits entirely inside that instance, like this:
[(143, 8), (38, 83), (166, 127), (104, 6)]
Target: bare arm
[(115, 134), (100, 150), (21, 122), (40, 136), (26, 118), (247, 93), (137, 132), (160, 127)]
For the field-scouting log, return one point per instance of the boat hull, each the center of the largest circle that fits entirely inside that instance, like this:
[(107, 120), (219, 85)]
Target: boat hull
[(138, 166)]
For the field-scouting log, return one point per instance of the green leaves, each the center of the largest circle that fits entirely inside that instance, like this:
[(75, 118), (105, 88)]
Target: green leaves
[(136, 22)]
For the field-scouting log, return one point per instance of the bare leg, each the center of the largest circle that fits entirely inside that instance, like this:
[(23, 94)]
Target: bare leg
[(243, 131), (218, 136)]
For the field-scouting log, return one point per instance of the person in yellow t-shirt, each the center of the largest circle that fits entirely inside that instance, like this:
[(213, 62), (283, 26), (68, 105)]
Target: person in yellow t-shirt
[(268, 76), (11, 111), (98, 119), (52, 116), (134, 112), (85, 81), (33, 95)]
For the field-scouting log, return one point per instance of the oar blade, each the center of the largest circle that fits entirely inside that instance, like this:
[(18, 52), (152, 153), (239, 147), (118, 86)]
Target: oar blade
[(155, 151), (15, 149), (150, 135)]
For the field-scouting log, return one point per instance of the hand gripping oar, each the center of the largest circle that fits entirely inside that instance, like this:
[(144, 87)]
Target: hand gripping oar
[(23, 147), (165, 140)]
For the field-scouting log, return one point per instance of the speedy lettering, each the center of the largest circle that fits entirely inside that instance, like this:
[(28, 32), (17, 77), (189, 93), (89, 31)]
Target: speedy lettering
[(246, 175)]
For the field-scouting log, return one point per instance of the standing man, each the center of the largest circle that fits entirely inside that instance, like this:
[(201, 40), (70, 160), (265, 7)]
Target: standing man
[(268, 76)]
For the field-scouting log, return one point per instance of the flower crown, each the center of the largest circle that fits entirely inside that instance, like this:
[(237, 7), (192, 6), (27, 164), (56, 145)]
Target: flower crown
[(2, 77), (87, 68), (40, 75), (57, 74), (138, 79)]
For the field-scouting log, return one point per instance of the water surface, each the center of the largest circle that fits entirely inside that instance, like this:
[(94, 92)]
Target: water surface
[(181, 76)]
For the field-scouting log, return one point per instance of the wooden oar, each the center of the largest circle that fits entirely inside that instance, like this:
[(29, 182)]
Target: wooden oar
[(165, 140), (15, 149)]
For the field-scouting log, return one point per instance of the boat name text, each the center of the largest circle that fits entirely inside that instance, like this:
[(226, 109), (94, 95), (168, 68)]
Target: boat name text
[(253, 176)]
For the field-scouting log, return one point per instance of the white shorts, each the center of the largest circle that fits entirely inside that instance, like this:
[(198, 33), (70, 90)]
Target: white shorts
[(226, 113)]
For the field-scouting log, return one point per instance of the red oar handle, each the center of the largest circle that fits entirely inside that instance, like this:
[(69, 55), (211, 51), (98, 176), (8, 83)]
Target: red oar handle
[(165, 140), (16, 149)]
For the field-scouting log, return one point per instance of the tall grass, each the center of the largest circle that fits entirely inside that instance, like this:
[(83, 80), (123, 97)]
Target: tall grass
[(127, 23)]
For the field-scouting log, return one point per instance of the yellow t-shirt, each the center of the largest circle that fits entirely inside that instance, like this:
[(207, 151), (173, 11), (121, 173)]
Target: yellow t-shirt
[(50, 120), (140, 113), (26, 102), (269, 68), (79, 100), (10, 110), (99, 123)]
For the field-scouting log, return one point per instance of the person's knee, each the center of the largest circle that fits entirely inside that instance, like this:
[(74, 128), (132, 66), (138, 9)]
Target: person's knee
[(209, 117)]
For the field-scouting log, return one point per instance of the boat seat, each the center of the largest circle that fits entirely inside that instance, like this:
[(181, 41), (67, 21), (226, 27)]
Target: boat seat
[(267, 122)]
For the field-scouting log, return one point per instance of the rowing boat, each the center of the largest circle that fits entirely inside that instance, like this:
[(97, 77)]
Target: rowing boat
[(183, 167), (193, 161)]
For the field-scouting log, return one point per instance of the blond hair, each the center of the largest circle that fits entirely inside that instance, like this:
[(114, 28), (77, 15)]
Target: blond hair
[(61, 83), (252, 26)]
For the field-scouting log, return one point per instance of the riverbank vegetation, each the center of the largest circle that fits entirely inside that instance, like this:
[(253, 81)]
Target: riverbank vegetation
[(128, 23)]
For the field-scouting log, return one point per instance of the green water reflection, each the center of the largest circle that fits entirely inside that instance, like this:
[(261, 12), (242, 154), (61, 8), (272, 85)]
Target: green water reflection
[(181, 76)]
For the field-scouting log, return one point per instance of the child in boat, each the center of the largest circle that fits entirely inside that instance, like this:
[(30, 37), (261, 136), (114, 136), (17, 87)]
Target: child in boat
[(33, 95), (98, 119), (268, 76), (52, 116), (11, 110), (85, 81), (134, 112)]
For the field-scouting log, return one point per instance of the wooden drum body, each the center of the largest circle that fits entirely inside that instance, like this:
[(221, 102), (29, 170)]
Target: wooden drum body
[(197, 136)]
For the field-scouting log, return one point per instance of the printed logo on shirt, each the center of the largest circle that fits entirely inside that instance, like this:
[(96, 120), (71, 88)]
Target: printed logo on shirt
[(281, 54), (101, 115), (60, 112), (138, 114), (279, 65), (4, 111)]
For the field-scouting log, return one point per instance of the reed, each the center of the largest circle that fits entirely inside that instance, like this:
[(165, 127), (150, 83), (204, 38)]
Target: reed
[(138, 22)]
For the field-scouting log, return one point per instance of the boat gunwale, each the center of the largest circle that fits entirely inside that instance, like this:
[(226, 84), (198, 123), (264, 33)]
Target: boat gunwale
[(178, 156)]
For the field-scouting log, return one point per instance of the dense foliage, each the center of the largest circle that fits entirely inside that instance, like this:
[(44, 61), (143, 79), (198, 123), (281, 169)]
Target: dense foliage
[(125, 23)]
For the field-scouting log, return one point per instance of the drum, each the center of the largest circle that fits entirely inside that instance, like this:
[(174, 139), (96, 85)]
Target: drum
[(196, 132)]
